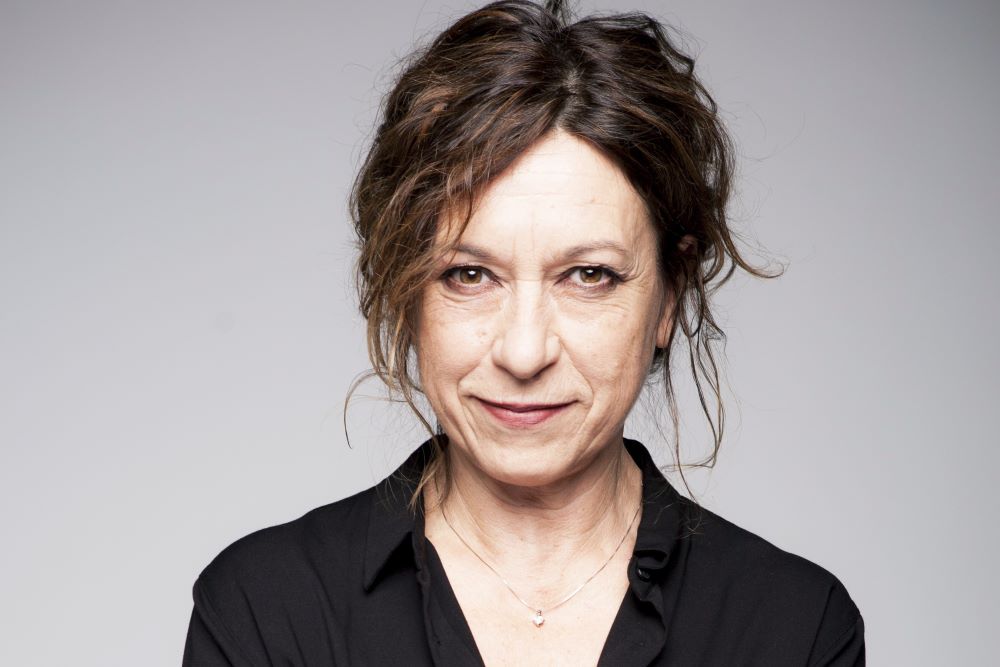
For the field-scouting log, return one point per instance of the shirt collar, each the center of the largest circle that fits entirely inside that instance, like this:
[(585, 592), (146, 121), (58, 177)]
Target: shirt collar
[(661, 513), (391, 521)]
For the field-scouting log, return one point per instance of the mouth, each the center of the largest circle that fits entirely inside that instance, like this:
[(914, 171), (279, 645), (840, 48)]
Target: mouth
[(523, 415)]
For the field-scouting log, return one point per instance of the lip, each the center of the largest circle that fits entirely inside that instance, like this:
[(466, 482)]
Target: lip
[(523, 415)]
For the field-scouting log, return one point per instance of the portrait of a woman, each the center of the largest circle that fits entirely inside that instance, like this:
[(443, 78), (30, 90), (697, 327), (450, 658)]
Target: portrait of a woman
[(541, 221)]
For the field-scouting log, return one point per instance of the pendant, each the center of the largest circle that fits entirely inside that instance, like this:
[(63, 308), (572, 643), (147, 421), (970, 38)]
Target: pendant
[(538, 619)]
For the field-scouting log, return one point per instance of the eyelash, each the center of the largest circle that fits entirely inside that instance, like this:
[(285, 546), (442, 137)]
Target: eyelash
[(612, 279)]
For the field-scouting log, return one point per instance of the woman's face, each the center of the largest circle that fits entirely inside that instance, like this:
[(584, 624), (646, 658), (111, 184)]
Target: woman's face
[(535, 340)]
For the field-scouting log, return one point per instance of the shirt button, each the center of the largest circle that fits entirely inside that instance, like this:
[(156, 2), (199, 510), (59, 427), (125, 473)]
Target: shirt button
[(642, 573)]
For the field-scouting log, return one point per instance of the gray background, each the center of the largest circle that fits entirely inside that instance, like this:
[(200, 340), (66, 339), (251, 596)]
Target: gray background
[(178, 329)]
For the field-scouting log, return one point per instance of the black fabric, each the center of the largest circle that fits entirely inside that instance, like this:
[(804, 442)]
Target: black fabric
[(356, 583)]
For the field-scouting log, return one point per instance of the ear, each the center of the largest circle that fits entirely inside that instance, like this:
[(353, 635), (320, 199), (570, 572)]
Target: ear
[(666, 323), (686, 244)]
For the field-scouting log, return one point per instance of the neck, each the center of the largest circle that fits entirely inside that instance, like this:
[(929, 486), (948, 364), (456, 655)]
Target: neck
[(569, 523)]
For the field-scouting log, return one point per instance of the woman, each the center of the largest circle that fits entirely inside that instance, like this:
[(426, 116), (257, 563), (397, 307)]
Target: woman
[(543, 204)]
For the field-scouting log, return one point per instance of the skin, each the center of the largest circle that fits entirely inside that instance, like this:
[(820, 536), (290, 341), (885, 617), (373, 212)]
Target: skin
[(552, 298)]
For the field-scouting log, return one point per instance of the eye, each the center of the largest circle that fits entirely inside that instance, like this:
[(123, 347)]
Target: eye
[(466, 276), (593, 276)]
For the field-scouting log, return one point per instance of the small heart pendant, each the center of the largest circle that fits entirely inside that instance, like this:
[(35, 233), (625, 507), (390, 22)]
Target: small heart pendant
[(538, 619)]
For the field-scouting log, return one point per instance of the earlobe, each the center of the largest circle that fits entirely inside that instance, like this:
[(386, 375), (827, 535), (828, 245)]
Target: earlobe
[(686, 243)]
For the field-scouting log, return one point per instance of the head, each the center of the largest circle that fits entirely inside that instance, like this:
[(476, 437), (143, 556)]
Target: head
[(580, 172)]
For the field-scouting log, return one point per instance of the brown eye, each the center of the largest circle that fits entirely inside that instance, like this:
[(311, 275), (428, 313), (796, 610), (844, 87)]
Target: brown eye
[(594, 278), (591, 275), (468, 276)]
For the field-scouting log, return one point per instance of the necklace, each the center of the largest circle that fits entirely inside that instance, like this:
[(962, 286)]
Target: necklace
[(539, 615)]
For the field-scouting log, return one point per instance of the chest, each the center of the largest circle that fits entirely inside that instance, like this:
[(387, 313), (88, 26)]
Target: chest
[(573, 633), (568, 637)]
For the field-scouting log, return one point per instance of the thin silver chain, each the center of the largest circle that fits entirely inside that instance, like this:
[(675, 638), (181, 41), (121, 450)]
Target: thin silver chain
[(538, 610)]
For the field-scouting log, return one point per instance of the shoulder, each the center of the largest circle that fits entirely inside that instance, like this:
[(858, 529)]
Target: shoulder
[(330, 530), (739, 555), (297, 574), (758, 579), (284, 561)]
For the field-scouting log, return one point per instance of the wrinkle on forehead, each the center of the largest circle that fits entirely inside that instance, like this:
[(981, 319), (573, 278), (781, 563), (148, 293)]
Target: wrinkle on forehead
[(568, 170), (561, 192)]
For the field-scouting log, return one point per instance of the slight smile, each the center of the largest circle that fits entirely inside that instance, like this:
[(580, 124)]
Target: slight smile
[(522, 415)]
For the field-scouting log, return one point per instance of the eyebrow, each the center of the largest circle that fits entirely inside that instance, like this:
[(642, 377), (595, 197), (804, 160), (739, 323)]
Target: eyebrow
[(474, 250), (584, 248), (569, 253)]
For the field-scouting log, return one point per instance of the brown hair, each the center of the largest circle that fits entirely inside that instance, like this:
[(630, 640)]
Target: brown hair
[(491, 85)]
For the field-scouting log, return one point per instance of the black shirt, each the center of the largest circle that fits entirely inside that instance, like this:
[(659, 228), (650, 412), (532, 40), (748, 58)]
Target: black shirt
[(356, 583)]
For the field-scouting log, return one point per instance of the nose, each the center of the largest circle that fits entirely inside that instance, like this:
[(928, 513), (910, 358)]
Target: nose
[(526, 344)]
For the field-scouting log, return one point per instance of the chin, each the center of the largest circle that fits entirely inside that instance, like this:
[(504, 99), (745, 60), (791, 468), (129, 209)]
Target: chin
[(528, 464), (524, 478)]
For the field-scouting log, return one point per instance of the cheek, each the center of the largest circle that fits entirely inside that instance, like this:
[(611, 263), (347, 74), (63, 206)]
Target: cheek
[(450, 343), (612, 347)]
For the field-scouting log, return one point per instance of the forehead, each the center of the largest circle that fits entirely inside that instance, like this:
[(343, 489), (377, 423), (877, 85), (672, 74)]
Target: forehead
[(562, 191)]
